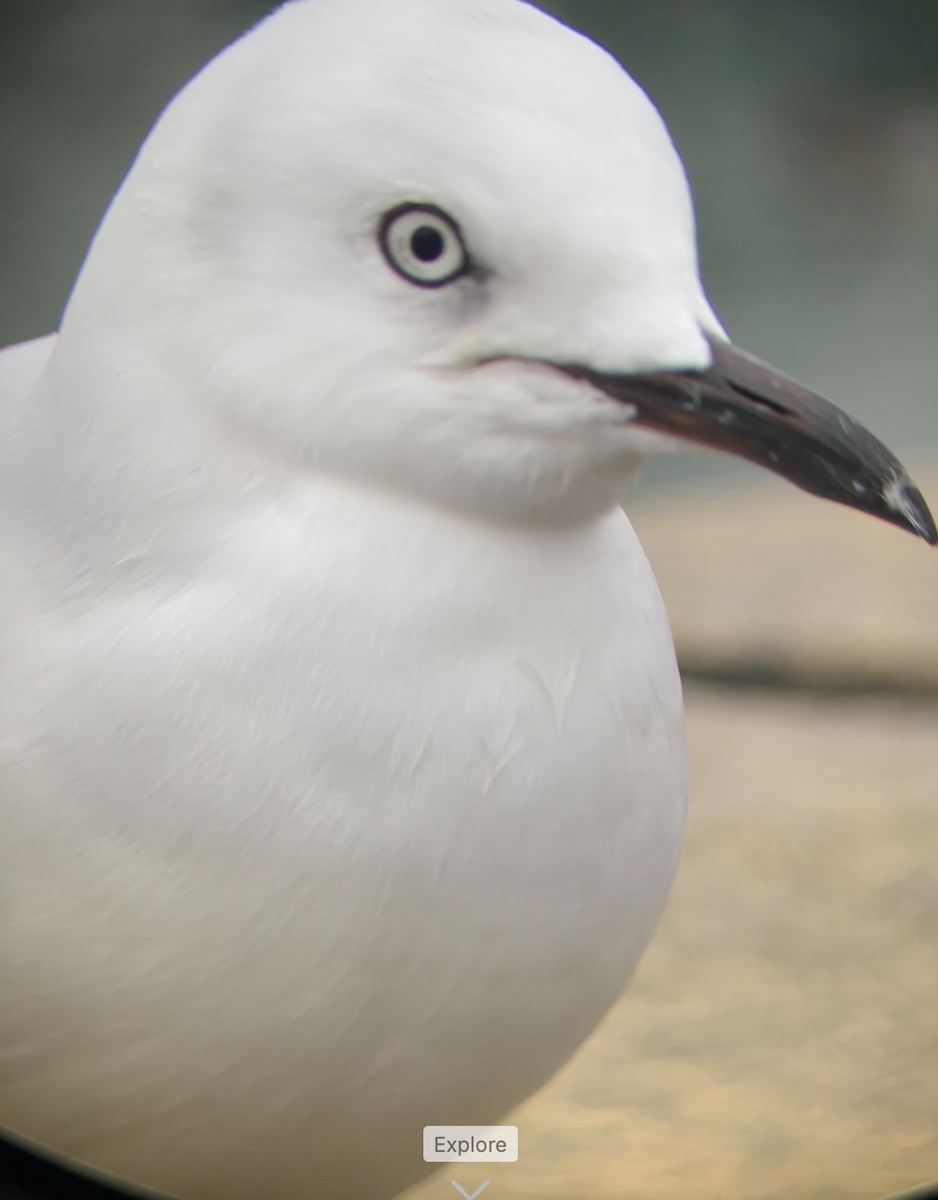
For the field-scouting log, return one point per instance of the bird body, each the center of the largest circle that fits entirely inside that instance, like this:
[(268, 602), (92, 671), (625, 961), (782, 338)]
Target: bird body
[(342, 775), (258, 931)]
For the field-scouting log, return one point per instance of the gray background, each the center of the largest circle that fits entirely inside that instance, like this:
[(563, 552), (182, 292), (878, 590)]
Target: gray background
[(809, 129)]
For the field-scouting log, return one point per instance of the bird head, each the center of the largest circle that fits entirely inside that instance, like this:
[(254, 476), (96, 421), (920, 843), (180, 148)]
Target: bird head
[(447, 246)]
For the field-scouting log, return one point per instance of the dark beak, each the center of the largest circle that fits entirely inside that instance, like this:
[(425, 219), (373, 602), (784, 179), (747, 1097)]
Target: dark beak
[(746, 408)]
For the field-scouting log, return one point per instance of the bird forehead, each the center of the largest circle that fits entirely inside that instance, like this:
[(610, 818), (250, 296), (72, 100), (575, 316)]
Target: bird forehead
[(527, 132), (492, 86)]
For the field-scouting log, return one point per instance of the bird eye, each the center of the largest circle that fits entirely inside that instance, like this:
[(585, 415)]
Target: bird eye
[(424, 245)]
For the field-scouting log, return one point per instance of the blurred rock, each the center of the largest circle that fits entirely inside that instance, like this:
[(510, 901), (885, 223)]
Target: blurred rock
[(781, 1037), (765, 583)]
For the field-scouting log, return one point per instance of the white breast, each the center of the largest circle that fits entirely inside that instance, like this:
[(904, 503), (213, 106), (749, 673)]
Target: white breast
[(362, 831)]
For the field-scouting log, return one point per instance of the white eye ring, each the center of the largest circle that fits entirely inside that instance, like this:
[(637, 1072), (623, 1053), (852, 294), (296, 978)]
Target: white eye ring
[(424, 245)]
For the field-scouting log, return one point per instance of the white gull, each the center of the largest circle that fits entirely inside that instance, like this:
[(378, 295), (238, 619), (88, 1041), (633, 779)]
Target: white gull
[(342, 775)]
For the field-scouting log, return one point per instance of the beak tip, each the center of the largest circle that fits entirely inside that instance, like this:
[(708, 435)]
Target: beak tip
[(911, 511)]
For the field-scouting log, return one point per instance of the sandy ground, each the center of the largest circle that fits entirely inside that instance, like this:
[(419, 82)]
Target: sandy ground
[(781, 1037), (772, 579)]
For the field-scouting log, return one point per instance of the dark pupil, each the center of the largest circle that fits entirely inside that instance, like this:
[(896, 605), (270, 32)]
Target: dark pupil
[(427, 244)]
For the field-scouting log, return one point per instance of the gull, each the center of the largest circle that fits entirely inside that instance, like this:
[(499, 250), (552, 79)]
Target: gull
[(342, 768)]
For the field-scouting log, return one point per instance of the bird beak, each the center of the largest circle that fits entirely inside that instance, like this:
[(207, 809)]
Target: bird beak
[(746, 408)]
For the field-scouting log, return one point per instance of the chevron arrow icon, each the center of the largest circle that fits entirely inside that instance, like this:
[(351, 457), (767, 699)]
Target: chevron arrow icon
[(474, 1194)]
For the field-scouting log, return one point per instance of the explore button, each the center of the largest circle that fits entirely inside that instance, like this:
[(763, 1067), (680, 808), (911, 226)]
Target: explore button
[(470, 1143)]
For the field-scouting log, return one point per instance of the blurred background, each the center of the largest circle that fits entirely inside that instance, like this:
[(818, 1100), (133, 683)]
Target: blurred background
[(781, 1039)]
